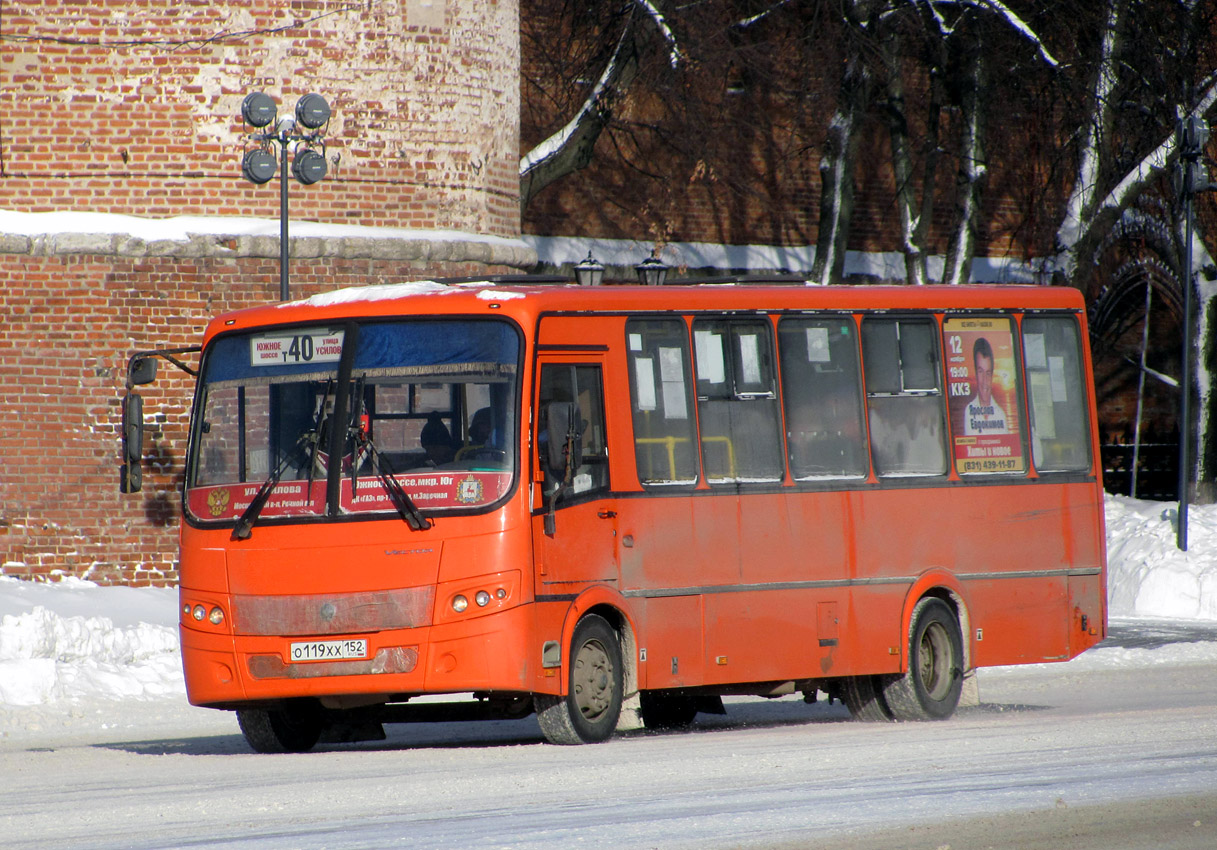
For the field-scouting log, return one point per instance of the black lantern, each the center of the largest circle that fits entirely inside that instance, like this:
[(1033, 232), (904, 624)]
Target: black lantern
[(652, 271), (259, 166), (258, 109), (589, 272), (312, 111), (308, 167)]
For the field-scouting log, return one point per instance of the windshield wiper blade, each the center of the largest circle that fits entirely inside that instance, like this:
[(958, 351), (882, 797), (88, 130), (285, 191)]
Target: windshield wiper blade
[(246, 523), (305, 449), (397, 494)]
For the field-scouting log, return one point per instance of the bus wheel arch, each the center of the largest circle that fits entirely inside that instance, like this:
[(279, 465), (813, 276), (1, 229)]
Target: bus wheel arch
[(610, 605), (942, 585), (593, 686), (932, 682)]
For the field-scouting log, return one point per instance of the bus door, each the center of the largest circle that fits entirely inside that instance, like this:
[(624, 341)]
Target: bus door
[(574, 513)]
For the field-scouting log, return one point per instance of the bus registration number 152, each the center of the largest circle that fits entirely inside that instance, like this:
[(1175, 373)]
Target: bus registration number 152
[(329, 650)]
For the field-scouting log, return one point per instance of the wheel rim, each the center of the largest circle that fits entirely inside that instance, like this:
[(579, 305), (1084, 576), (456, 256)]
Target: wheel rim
[(592, 682), (934, 661)]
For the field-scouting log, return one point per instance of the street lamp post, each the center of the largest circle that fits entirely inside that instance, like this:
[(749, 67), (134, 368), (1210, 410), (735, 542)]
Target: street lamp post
[(1191, 136), (308, 166)]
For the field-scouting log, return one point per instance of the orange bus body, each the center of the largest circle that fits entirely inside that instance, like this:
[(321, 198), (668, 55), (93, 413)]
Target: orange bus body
[(722, 581)]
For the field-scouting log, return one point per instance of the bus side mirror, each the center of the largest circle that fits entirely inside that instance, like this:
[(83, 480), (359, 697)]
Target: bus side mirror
[(141, 371), (564, 425), (133, 441)]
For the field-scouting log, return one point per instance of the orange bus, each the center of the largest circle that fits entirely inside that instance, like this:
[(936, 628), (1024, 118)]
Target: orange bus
[(569, 499)]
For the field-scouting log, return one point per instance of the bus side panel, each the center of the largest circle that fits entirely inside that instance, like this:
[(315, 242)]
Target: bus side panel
[(1012, 549), (1049, 532), (797, 544), (673, 643)]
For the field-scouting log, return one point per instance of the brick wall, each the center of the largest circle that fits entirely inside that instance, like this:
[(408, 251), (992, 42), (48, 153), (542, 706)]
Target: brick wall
[(70, 322), (133, 107)]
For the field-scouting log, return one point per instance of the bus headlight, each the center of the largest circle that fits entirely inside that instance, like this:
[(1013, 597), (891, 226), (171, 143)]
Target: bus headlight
[(482, 598), (199, 613), (459, 603), (216, 616)]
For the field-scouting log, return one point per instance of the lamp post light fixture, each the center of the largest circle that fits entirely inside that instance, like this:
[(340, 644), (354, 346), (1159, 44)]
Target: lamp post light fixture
[(589, 272), (652, 271), (258, 166)]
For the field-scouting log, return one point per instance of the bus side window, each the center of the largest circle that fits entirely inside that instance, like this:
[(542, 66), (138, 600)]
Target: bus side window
[(1060, 428), (904, 399), (665, 446), (822, 393), (583, 385), (737, 403)]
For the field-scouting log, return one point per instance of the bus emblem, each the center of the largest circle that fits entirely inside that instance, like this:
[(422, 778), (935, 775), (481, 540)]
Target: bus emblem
[(469, 491), (217, 501)]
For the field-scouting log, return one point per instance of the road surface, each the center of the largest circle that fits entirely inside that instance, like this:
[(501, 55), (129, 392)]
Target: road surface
[(1062, 756)]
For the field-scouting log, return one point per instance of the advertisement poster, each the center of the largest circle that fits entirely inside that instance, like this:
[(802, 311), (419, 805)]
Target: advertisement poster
[(981, 391)]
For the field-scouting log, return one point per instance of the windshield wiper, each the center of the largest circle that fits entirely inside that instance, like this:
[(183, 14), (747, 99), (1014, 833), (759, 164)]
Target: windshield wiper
[(304, 451), (384, 471), (299, 452)]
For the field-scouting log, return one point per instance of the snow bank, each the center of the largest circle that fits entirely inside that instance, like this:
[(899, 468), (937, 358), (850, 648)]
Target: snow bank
[(74, 641), (1147, 575)]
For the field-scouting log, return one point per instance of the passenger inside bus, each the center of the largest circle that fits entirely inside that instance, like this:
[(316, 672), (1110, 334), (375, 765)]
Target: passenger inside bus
[(481, 434), (436, 441)]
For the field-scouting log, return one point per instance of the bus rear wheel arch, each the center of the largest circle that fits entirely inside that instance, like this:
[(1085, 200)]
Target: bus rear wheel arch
[(589, 712), (931, 686)]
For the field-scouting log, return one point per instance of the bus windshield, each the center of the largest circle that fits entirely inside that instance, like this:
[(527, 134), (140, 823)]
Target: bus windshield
[(424, 408)]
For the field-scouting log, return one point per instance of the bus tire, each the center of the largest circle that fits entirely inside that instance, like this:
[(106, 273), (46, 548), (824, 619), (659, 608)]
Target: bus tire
[(666, 711), (930, 688), (296, 728), (863, 697), (589, 712)]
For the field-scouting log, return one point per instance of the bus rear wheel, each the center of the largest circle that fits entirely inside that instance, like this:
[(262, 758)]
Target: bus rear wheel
[(295, 728), (863, 696), (589, 712), (930, 688)]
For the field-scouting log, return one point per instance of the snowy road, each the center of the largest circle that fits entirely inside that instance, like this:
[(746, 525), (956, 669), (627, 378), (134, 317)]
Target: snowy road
[(1050, 750)]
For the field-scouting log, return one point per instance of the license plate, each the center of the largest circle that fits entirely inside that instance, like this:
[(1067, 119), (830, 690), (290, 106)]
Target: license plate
[(328, 650)]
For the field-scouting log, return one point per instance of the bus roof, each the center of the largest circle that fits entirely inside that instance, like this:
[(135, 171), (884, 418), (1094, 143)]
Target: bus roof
[(525, 301)]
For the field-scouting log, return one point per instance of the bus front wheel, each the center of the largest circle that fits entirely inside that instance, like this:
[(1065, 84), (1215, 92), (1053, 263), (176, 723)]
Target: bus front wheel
[(930, 688), (295, 728), (588, 713)]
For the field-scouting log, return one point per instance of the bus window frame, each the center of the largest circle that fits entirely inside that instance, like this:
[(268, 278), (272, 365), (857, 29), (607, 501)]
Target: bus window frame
[(1085, 374), (730, 321), (826, 481), (934, 319), (675, 485)]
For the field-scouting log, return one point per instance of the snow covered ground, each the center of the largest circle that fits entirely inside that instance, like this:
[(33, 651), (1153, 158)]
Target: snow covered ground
[(73, 643)]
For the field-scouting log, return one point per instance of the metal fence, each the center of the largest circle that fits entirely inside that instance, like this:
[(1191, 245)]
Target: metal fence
[(1157, 470)]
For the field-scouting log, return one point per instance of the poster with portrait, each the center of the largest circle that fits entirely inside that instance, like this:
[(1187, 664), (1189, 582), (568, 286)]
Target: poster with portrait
[(982, 393)]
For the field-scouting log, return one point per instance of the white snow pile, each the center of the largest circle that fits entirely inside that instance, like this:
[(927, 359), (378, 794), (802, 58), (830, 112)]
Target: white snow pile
[(1147, 575), (73, 641)]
